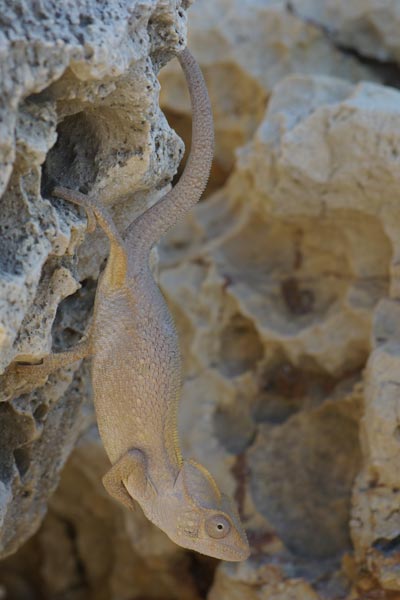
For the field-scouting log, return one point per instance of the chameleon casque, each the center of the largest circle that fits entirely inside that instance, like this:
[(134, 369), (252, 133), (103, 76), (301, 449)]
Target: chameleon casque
[(136, 366)]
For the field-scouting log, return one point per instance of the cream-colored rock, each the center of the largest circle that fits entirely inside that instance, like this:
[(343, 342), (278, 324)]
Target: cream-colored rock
[(245, 47), (276, 282), (369, 26), (338, 140), (376, 519), (258, 582)]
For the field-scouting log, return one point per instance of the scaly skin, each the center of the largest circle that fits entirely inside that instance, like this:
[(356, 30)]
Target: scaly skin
[(136, 367)]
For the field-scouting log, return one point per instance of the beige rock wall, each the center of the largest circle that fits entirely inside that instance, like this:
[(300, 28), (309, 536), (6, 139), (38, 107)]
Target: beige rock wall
[(284, 286), (370, 27)]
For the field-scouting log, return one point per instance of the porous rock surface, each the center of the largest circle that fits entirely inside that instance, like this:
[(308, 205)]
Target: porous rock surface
[(283, 282), (370, 27)]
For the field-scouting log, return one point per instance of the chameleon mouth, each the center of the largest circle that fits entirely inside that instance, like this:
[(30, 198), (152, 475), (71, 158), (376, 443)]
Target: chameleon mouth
[(227, 552), (236, 555), (220, 550)]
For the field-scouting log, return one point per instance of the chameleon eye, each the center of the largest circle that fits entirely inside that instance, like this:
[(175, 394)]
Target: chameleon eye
[(218, 526)]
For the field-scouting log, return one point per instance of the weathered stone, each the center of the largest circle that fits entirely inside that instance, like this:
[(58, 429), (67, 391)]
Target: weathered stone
[(368, 26), (276, 282), (245, 47), (263, 582), (376, 516)]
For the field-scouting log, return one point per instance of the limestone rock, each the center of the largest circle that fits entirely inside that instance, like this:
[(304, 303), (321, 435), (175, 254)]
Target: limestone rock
[(376, 521), (368, 26), (245, 47), (265, 582), (277, 283)]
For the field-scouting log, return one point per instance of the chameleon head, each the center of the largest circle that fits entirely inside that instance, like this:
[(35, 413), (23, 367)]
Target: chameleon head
[(205, 520)]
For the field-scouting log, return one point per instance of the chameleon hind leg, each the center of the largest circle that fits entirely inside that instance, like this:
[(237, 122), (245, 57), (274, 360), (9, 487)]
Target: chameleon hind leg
[(116, 270)]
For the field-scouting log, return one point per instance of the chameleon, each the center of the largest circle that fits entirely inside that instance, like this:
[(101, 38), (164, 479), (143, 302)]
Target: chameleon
[(136, 364)]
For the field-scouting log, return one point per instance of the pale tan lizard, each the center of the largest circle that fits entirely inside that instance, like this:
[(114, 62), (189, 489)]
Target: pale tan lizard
[(136, 368)]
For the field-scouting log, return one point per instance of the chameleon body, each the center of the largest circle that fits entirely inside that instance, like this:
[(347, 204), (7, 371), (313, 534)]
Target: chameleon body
[(136, 367)]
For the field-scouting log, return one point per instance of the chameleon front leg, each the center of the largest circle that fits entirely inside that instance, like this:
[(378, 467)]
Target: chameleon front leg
[(54, 361), (20, 378), (132, 466)]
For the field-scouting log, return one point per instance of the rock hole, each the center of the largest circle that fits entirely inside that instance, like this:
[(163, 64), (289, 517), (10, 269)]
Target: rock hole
[(40, 412), (302, 474), (284, 389), (240, 347), (234, 426), (22, 457), (386, 546), (85, 20), (72, 316), (202, 569), (298, 301), (72, 159), (15, 432)]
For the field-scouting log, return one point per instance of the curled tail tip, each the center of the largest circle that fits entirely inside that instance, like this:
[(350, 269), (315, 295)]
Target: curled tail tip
[(58, 191), (65, 193), (81, 200)]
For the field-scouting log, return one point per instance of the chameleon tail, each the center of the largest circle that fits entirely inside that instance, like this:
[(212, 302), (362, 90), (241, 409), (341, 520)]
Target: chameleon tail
[(147, 229)]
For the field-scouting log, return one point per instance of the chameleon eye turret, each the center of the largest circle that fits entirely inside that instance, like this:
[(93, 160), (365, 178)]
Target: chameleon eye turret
[(218, 526)]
